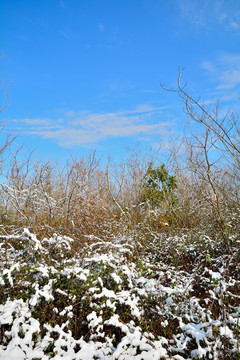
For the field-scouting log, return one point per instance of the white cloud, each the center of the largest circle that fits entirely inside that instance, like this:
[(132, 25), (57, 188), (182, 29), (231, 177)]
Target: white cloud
[(224, 70), (101, 27), (229, 59), (61, 2), (234, 25), (84, 128), (209, 66), (191, 10), (205, 13), (229, 79)]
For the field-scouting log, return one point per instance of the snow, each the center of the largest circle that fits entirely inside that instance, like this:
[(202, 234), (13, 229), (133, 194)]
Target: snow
[(127, 311)]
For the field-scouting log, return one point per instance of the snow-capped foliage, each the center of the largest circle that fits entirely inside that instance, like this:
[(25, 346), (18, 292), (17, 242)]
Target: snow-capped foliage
[(118, 299)]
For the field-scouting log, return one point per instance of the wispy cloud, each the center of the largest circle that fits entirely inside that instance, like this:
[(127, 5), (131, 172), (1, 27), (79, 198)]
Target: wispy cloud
[(229, 79), (191, 10), (101, 27), (62, 4), (224, 70), (205, 13), (25, 38), (65, 32), (83, 128)]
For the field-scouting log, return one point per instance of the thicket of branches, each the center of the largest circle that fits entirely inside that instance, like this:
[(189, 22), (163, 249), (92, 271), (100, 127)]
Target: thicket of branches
[(87, 197), (151, 255)]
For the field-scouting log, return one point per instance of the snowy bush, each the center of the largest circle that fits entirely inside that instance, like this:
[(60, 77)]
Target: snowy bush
[(117, 299)]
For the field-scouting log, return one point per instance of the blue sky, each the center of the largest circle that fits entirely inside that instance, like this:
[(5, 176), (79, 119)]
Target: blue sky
[(86, 73)]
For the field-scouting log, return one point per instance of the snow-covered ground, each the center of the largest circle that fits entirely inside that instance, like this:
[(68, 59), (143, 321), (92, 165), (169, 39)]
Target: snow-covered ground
[(173, 298)]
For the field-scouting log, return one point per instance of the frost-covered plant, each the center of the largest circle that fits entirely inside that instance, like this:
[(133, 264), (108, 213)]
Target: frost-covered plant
[(115, 300)]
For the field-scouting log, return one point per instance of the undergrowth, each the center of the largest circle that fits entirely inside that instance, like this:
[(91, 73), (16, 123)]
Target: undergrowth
[(145, 295)]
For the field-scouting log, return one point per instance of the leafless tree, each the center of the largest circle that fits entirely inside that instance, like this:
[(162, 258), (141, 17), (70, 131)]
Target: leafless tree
[(214, 154)]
